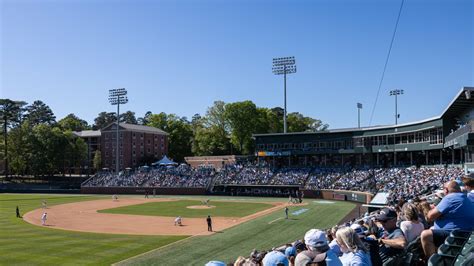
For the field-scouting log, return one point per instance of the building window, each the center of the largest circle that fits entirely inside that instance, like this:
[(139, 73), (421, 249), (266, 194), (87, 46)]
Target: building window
[(133, 153), (149, 141), (106, 154), (141, 144), (148, 150)]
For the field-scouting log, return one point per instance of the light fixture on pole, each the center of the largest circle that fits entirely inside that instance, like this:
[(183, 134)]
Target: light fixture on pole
[(359, 106), (117, 97), (396, 93), (283, 66)]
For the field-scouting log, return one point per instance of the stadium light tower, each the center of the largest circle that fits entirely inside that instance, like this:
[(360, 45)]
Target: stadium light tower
[(284, 65), (396, 93), (117, 97), (359, 106)]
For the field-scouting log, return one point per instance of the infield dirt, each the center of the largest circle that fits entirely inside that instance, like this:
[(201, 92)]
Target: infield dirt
[(83, 217)]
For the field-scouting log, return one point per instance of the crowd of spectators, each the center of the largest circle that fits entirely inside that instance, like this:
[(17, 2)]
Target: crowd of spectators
[(400, 183), (290, 176), (162, 176)]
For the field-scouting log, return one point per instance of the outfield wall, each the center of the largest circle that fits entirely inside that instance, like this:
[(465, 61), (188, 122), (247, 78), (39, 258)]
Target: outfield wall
[(340, 195)]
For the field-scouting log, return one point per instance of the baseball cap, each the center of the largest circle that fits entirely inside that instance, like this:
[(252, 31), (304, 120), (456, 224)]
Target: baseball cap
[(299, 246), (315, 238), (358, 229), (290, 251), (215, 263), (307, 256), (386, 214), (274, 258)]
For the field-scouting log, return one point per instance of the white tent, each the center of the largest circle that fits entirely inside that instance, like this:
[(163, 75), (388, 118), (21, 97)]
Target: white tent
[(165, 161)]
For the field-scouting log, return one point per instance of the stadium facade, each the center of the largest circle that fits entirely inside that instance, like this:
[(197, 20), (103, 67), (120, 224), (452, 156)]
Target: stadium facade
[(444, 139)]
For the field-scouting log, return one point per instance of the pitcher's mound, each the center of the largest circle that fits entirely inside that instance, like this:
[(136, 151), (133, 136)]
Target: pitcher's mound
[(200, 207)]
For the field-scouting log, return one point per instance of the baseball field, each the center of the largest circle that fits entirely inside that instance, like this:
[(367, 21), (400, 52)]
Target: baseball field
[(95, 230)]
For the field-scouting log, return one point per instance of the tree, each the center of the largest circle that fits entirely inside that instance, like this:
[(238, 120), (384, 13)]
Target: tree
[(128, 117), (158, 120), (104, 119), (20, 139), (145, 119), (97, 160), (10, 113), (180, 139), (39, 113), (73, 123), (300, 123), (242, 121), (180, 133), (75, 152)]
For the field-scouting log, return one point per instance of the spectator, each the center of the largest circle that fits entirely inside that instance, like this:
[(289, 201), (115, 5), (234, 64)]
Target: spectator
[(455, 211), (275, 258), (393, 241), (468, 181), (354, 251), (317, 245), (333, 245), (411, 227)]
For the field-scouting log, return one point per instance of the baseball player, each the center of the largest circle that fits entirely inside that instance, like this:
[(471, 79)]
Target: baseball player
[(177, 221), (43, 218)]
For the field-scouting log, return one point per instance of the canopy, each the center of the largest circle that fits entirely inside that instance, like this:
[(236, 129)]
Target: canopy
[(165, 161)]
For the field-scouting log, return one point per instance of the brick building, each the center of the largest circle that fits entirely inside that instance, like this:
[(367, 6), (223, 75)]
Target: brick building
[(139, 145)]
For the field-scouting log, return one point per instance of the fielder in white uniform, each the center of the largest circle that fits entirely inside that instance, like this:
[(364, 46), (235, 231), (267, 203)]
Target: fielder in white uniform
[(43, 218)]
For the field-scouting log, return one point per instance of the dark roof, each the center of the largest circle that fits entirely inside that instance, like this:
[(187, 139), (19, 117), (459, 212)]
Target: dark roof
[(87, 133), (458, 105), (138, 128)]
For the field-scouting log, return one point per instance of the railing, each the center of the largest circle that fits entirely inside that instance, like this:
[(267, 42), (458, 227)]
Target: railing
[(464, 130)]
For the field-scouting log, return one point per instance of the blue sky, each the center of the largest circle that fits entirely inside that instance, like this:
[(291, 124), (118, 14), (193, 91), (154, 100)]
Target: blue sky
[(180, 56)]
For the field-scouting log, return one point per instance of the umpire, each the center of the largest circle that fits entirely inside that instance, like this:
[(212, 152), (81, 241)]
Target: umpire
[(209, 223)]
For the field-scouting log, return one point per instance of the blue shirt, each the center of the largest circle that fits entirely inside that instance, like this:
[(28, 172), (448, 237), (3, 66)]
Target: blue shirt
[(457, 212), (470, 195), (332, 259), (358, 258)]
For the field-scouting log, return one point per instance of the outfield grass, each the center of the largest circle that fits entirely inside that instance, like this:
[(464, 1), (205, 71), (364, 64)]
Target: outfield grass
[(24, 244), (262, 233), (178, 208)]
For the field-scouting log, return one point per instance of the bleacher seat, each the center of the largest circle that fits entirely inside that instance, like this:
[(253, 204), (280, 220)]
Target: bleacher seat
[(440, 260), (455, 241), (449, 250)]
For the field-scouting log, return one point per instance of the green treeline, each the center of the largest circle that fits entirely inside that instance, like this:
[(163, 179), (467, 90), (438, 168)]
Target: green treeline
[(36, 144)]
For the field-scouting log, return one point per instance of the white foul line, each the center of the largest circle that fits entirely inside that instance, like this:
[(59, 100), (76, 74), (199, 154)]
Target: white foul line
[(275, 220)]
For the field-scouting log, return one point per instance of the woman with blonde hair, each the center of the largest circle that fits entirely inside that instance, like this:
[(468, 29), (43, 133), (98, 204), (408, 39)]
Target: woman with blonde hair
[(355, 253), (411, 227)]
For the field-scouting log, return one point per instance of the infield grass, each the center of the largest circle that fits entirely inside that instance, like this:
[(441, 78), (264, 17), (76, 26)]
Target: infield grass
[(24, 244), (179, 208), (262, 233)]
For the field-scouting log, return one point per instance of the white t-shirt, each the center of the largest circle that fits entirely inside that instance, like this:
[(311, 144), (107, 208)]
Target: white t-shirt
[(411, 230)]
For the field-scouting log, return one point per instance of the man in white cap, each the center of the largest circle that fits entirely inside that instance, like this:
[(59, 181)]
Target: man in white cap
[(318, 248)]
